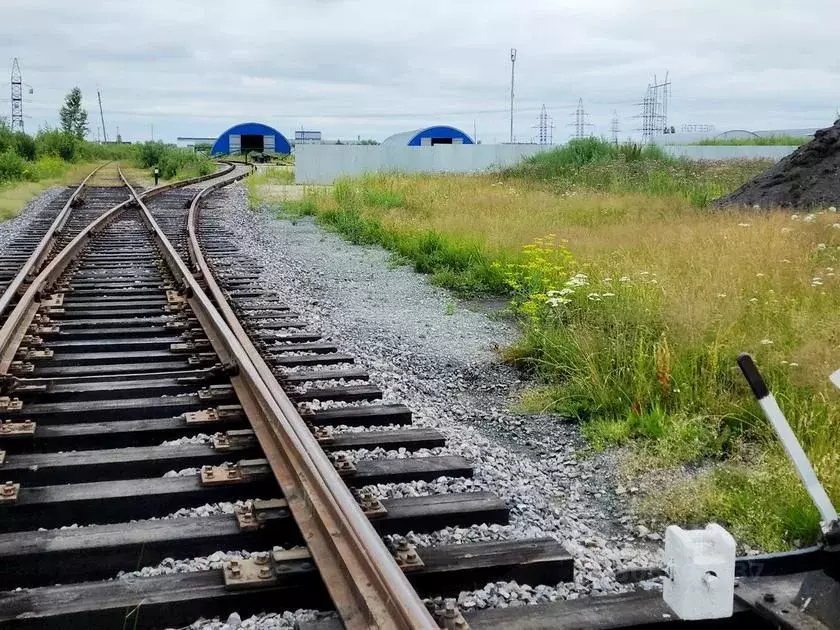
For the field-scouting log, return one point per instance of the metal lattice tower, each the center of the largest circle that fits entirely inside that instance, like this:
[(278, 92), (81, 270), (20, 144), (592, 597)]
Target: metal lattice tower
[(17, 98), (655, 109), (546, 127), (614, 130), (580, 123)]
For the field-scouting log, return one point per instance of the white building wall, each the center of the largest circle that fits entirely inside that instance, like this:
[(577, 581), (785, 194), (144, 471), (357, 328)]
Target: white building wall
[(323, 163), (723, 152)]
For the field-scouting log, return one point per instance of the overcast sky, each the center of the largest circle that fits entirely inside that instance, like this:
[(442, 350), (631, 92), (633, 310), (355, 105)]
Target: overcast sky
[(370, 68)]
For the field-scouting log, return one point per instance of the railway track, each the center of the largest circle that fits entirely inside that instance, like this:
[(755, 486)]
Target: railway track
[(138, 342)]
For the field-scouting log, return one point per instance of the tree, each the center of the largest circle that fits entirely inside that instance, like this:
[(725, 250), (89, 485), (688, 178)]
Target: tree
[(73, 117)]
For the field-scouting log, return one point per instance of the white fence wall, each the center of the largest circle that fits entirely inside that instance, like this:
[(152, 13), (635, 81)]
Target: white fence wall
[(723, 152), (323, 163)]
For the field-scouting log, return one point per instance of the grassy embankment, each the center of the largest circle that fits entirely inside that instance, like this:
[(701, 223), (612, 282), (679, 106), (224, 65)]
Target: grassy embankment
[(31, 164), (765, 141), (635, 300)]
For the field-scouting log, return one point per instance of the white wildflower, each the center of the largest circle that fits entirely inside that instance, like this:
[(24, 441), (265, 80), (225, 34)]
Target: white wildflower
[(830, 274), (578, 280), (557, 301), (836, 226), (829, 268), (832, 209), (753, 300), (821, 246), (759, 275), (607, 279), (816, 282), (785, 230), (766, 342), (721, 295), (608, 295), (810, 218), (785, 260), (566, 291), (644, 273), (595, 297), (794, 217), (743, 225), (784, 362), (793, 364), (624, 279)]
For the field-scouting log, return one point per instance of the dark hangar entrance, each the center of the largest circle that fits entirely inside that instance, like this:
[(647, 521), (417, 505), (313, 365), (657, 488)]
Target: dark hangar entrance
[(252, 142)]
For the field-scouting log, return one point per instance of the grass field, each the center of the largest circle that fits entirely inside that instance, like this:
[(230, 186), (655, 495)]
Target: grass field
[(634, 301), (15, 195)]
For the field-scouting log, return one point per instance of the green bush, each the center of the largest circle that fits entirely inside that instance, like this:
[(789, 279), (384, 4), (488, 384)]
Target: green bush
[(12, 166), (58, 143), (172, 161)]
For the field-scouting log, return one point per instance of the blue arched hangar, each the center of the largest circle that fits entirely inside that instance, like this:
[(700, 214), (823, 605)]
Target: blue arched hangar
[(248, 137), (429, 137)]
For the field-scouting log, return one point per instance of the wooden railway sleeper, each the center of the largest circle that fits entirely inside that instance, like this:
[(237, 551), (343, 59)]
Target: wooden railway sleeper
[(25, 353), (22, 368)]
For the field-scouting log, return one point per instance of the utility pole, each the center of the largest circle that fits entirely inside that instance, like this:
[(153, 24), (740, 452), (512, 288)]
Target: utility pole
[(17, 97), (545, 128), (512, 70), (102, 117)]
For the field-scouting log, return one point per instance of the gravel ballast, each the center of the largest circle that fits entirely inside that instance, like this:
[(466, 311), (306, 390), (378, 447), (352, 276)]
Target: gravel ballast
[(435, 355), (17, 226)]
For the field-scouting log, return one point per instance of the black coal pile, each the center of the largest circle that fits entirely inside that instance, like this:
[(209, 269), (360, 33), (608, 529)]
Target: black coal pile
[(807, 178)]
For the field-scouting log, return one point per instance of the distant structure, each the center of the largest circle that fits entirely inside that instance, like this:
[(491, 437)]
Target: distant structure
[(102, 117), (614, 130), (697, 128), (250, 136), (654, 106), (17, 97), (187, 141), (512, 68), (307, 137), (545, 128), (581, 122), (428, 137)]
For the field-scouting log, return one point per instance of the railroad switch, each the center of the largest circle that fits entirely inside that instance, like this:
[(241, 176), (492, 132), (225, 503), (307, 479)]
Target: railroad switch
[(258, 512), (215, 392), (17, 429), (213, 414), (234, 440), (371, 505), (343, 464), (261, 569), (9, 492), (8, 404), (406, 556)]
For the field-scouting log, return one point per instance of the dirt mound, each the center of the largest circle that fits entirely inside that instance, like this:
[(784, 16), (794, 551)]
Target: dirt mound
[(808, 177)]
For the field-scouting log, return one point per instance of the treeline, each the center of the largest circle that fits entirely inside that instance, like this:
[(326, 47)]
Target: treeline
[(50, 152)]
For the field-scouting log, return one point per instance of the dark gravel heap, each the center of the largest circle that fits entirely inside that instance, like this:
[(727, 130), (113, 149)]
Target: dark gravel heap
[(808, 177)]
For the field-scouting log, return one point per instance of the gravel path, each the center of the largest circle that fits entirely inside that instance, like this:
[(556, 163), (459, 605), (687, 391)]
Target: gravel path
[(437, 356)]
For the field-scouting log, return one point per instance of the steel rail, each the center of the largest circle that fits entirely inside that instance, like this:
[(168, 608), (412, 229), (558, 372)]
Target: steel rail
[(368, 589), (42, 250), (18, 321)]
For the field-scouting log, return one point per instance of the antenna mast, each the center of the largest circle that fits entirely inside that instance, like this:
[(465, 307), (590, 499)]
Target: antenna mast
[(512, 69)]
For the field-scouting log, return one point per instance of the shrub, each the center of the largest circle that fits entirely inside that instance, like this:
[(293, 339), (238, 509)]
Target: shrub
[(24, 146), (58, 143), (12, 166)]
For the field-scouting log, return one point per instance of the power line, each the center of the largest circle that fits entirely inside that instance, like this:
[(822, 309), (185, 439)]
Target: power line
[(655, 109), (545, 127)]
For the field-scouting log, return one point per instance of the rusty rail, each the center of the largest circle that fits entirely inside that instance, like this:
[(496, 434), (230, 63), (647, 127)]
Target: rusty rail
[(368, 589)]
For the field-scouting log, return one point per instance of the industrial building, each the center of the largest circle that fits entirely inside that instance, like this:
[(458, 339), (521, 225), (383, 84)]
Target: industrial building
[(250, 136), (430, 136)]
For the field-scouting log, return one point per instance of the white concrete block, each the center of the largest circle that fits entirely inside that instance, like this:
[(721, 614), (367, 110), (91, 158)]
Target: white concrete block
[(701, 572)]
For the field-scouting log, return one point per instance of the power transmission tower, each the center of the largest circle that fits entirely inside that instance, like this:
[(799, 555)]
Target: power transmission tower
[(17, 97), (655, 109), (512, 69), (580, 123), (102, 117), (614, 130), (545, 127)]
